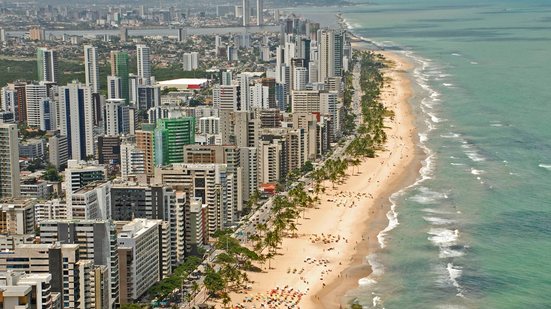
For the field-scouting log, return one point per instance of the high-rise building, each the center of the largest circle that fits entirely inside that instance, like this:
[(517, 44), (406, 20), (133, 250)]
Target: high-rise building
[(158, 202), (221, 154), (140, 246), (244, 84), (170, 137), (47, 64), (9, 161), (76, 119), (327, 66), (79, 174), (148, 97), (272, 160), (191, 61), (132, 160), (97, 242), (249, 167), (21, 101), (209, 125), (227, 97), (182, 34), (91, 202), (52, 209), (339, 52), (34, 95), (265, 53), (114, 87), (300, 78), (47, 111), (258, 95), (259, 12), (306, 101), (17, 217), (119, 67), (91, 69), (37, 34), (195, 230), (109, 149), (209, 182), (8, 99), (60, 261), (113, 118), (58, 150), (3, 35), (7, 117), (246, 12), (124, 34), (270, 84), (226, 78), (328, 106), (17, 289), (144, 64), (146, 143), (312, 72)]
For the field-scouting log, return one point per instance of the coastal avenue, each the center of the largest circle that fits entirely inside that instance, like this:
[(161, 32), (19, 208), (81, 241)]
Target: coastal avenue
[(262, 213)]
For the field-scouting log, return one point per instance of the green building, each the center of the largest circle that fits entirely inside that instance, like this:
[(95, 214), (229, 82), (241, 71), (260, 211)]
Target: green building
[(119, 67), (47, 65), (170, 137)]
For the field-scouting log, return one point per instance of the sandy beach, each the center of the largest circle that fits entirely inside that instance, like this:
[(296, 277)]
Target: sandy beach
[(328, 256)]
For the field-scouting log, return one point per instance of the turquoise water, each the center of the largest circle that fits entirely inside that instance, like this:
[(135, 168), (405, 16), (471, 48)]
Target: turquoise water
[(475, 232)]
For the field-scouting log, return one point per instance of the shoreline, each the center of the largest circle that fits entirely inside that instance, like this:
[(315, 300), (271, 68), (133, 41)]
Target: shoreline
[(328, 257), (334, 295)]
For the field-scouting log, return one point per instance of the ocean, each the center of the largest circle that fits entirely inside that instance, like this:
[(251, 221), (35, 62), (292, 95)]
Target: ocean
[(475, 230)]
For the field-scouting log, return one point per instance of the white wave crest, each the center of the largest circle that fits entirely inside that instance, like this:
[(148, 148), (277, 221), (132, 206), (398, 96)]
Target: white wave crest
[(443, 236), (392, 217), (455, 273), (438, 221), (426, 196), (450, 135), (475, 156), (434, 118), (545, 166), (365, 282), (377, 268)]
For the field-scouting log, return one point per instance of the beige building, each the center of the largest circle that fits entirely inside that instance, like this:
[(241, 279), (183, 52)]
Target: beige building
[(37, 34), (211, 183), (72, 278), (17, 217), (145, 142), (140, 259), (20, 290), (9, 161), (305, 101)]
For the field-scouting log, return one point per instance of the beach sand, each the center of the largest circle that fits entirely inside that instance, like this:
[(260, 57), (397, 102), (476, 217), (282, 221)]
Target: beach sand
[(328, 256)]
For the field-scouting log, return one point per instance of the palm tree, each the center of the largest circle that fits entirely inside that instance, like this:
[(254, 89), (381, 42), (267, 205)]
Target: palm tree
[(261, 227), (293, 228), (194, 289), (226, 299)]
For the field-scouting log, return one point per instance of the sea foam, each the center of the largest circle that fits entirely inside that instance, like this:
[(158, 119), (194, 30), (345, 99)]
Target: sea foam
[(545, 166), (438, 221), (455, 273), (443, 236), (427, 196)]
